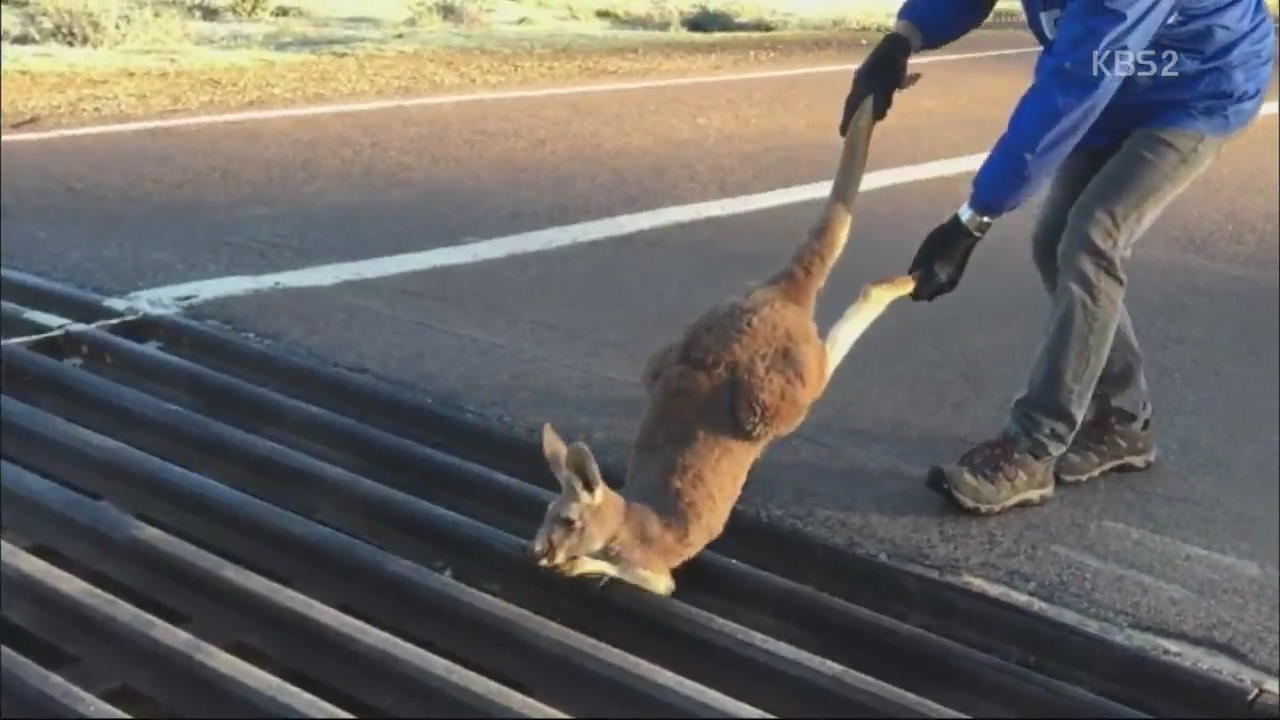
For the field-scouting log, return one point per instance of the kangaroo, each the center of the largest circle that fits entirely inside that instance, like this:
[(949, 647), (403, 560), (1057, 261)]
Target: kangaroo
[(741, 376)]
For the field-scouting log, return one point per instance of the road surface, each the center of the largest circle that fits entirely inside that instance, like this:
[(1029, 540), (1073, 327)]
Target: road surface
[(556, 325)]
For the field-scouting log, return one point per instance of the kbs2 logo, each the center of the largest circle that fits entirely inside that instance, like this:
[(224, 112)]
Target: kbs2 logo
[(1127, 63)]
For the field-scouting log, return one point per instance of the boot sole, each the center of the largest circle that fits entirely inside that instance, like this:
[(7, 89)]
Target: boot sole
[(937, 481), (1133, 463)]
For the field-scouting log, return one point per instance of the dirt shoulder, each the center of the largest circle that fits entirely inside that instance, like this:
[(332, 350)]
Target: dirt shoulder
[(34, 99)]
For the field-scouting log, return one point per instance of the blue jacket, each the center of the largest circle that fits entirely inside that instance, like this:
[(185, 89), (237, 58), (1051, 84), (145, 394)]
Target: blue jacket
[(1083, 92)]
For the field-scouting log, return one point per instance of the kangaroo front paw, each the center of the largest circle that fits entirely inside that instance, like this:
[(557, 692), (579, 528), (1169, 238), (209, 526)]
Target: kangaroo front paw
[(658, 583), (583, 565)]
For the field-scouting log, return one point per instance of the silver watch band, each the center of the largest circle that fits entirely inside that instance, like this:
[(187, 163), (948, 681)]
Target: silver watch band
[(977, 224)]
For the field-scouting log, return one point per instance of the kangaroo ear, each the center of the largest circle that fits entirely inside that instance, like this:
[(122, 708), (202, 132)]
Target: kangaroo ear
[(554, 450), (583, 467)]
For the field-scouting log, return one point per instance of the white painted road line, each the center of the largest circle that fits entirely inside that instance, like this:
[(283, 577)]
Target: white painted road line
[(1174, 550), (173, 297), (68, 325), (56, 324), (372, 106), (170, 298), (37, 317), (1102, 566)]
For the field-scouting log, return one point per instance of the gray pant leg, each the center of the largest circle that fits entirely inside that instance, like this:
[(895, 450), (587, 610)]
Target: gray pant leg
[(1073, 176), (1116, 206), (1122, 383)]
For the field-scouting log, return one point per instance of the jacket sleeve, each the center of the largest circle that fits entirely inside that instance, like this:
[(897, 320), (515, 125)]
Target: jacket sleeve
[(944, 21), (1075, 77)]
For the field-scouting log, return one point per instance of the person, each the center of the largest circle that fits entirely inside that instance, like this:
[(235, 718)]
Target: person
[(1130, 101)]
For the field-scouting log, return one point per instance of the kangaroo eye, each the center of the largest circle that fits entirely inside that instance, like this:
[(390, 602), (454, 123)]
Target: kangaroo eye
[(567, 522)]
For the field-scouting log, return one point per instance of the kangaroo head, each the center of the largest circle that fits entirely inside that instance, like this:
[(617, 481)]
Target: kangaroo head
[(585, 515)]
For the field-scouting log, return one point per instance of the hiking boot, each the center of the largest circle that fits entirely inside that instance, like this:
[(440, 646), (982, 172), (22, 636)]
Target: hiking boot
[(995, 476), (1113, 440)]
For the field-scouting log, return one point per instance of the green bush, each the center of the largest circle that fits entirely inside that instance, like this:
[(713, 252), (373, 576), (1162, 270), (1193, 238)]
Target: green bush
[(101, 23), (207, 10), (467, 13), (247, 9), (714, 20), (657, 16), (288, 11)]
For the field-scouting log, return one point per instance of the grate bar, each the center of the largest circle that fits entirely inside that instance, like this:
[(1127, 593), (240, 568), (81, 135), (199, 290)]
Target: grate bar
[(35, 292), (402, 523), (37, 590), (403, 593), (365, 548), (859, 638), (38, 505), (31, 691), (17, 321)]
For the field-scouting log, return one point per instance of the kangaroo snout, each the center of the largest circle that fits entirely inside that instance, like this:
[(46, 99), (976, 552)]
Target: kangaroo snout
[(546, 554), (540, 552)]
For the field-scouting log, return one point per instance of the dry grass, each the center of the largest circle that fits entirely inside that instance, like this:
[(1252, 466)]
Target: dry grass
[(95, 23), (215, 23), (69, 61), (75, 35), (34, 100)]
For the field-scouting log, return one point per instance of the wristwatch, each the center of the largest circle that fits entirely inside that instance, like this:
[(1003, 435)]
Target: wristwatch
[(977, 224)]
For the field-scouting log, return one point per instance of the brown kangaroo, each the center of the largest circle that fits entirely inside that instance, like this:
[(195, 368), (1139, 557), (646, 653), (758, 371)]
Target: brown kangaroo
[(742, 375)]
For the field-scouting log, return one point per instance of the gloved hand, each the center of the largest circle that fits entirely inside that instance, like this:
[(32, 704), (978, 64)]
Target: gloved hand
[(941, 259), (883, 73)]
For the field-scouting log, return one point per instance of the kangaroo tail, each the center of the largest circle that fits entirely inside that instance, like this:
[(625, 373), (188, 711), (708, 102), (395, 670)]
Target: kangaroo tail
[(874, 299), (807, 272)]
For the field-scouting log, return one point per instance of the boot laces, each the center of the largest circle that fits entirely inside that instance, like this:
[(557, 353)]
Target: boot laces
[(992, 455)]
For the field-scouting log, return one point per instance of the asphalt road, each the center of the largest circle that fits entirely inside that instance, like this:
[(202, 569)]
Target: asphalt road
[(1185, 555)]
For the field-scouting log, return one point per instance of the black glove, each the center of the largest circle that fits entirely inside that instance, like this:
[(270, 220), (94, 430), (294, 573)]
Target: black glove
[(941, 259), (883, 73)]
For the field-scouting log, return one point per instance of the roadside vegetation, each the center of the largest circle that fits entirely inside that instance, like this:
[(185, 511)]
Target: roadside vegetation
[(308, 26), (70, 61)]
